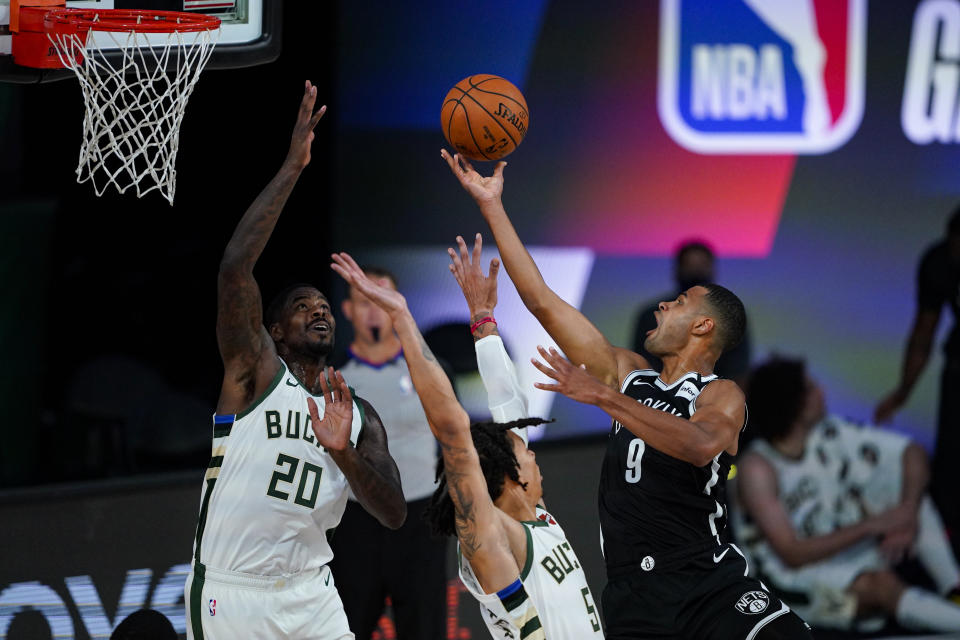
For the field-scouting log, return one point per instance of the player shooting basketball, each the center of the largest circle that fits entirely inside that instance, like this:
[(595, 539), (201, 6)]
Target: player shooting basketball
[(276, 485), (516, 560), (662, 487)]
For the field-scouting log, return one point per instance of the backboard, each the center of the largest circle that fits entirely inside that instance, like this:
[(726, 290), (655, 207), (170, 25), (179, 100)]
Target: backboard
[(250, 33)]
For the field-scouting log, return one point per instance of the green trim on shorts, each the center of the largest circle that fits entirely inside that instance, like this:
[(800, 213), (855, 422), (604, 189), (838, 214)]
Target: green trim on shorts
[(196, 598)]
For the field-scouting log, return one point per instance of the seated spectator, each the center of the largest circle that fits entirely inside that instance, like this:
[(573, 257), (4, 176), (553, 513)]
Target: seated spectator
[(827, 508)]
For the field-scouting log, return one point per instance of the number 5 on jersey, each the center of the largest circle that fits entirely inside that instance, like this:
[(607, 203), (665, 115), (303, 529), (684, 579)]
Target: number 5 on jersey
[(287, 477)]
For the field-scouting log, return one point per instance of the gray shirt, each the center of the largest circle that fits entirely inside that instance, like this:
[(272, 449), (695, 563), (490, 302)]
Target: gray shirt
[(390, 390)]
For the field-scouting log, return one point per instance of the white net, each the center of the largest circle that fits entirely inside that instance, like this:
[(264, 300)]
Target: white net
[(134, 106)]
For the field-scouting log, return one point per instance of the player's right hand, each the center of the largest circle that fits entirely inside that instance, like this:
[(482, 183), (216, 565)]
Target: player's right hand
[(299, 154), (482, 189), (480, 291), (388, 299)]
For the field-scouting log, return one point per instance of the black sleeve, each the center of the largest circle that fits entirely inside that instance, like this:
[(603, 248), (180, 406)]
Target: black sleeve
[(930, 280)]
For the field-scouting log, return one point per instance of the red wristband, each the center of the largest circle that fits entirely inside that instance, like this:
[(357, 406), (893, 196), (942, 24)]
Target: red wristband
[(481, 321)]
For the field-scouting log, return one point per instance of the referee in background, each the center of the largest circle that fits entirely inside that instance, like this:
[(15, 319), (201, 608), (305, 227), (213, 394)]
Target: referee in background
[(371, 562)]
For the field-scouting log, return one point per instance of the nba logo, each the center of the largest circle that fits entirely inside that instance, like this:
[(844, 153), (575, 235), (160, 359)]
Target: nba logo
[(212, 605), (761, 76)]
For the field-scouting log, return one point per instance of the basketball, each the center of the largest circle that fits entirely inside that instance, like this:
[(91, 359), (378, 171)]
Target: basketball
[(484, 117)]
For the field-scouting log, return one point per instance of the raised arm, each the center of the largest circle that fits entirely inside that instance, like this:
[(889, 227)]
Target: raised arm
[(574, 333), (505, 398), (481, 527), (245, 346), (915, 360)]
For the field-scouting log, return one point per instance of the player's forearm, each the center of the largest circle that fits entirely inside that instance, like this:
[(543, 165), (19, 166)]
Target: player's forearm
[(915, 359), (519, 263), (677, 437), (257, 224), (916, 476), (429, 379), (504, 395), (380, 492), (487, 328), (798, 552)]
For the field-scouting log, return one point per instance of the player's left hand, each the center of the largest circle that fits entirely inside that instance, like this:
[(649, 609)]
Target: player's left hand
[(573, 382), (479, 290), (333, 430)]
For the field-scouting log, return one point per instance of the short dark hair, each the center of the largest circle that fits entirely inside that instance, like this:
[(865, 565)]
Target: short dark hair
[(376, 271), (279, 301), (776, 394), (690, 246), (144, 624), (731, 318), (497, 460)]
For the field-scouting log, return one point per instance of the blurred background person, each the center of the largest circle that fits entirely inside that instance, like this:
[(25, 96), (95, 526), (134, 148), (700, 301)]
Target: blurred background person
[(145, 624), (827, 508), (693, 264), (373, 563), (938, 284)]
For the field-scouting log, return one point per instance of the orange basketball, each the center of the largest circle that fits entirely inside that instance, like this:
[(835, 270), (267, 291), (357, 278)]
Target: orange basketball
[(484, 117)]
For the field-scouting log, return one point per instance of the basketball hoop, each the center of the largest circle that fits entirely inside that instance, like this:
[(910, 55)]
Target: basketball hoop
[(134, 107)]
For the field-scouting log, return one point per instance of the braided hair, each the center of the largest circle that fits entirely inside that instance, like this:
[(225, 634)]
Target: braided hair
[(497, 460)]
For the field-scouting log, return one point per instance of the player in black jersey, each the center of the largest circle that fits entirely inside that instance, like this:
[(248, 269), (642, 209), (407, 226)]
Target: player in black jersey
[(662, 502)]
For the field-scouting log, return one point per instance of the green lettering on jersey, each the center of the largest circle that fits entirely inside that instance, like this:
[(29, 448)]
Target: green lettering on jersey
[(293, 428), (550, 565), (273, 424), (308, 430)]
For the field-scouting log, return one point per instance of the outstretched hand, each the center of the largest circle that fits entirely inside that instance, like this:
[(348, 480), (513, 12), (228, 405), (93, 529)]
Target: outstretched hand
[(574, 382), (333, 430), (300, 141), (480, 291), (388, 299), (482, 189)]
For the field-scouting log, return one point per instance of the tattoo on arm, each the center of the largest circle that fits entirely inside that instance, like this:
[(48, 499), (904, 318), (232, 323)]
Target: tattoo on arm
[(465, 517), (425, 350)]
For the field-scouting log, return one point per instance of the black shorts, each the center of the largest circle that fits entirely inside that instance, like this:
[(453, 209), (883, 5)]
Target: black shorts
[(700, 595)]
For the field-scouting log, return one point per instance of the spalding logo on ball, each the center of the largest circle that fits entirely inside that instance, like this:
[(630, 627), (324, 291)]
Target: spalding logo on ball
[(484, 117)]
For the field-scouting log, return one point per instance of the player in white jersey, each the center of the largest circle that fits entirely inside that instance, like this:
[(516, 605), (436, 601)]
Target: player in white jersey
[(491, 485), (286, 445), (828, 508), (552, 573)]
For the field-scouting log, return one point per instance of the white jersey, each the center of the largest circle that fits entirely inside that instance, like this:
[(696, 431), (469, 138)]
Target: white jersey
[(554, 581), (847, 472), (272, 495)]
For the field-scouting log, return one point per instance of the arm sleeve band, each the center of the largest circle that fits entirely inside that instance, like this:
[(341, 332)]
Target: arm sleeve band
[(504, 395)]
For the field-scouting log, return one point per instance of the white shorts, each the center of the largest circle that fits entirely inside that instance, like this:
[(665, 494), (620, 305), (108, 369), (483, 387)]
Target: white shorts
[(233, 605), (825, 584)]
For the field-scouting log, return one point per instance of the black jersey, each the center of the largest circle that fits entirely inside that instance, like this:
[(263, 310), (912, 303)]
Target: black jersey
[(652, 504)]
